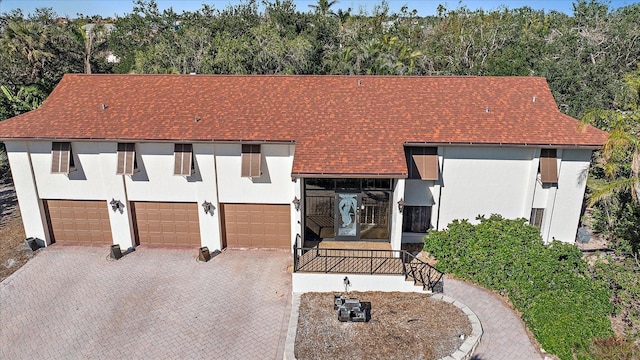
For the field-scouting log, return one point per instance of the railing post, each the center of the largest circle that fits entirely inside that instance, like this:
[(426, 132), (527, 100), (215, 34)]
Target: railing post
[(326, 260), (371, 262), (295, 257)]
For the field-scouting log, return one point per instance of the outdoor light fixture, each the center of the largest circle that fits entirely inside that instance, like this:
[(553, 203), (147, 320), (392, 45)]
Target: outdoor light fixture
[(208, 207), (116, 205), (401, 205), (296, 203)]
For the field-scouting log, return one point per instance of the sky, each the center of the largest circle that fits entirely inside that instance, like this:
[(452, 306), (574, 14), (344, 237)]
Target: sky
[(106, 8)]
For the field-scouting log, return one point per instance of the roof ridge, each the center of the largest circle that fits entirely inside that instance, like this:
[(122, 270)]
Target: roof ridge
[(308, 76)]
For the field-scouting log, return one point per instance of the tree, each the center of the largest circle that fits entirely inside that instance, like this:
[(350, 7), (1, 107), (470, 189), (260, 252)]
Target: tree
[(323, 7), (25, 42)]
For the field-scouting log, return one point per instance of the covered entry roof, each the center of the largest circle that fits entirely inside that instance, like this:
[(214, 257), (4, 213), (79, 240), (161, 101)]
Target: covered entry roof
[(341, 125)]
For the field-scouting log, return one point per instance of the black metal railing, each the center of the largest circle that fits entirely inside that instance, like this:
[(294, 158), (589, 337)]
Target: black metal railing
[(364, 261)]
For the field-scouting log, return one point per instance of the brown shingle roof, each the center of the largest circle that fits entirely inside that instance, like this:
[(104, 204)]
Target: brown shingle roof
[(340, 124)]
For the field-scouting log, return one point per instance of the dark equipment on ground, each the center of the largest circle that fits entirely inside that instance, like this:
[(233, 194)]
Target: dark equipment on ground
[(352, 310)]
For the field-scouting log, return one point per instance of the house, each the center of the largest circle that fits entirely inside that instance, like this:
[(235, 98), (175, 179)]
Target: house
[(271, 161)]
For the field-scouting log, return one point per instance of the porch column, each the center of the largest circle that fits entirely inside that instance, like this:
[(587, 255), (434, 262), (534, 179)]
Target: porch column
[(396, 215), (31, 207)]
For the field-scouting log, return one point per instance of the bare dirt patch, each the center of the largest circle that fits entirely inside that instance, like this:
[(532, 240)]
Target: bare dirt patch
[(13, 253), (402, 326)]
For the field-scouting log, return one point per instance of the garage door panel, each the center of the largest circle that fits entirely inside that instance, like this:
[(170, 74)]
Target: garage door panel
[(79, 222), (169, 224), (257, 225)]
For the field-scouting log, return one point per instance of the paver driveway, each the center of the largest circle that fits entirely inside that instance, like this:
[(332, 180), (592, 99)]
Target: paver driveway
[(71, 303)]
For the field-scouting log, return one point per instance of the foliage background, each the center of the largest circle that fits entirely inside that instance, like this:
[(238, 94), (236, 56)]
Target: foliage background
[(590, 59)]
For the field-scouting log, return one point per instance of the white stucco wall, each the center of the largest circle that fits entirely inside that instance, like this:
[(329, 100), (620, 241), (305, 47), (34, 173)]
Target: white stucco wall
[(474, 180), (273, 187), (567, 203), (95, 179), (396, 216), (320, 282), (484, 180), (502, 180), (31, 209)]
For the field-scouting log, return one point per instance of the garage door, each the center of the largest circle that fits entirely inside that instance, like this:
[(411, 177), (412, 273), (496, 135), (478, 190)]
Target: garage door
[(79, 222), (168, 224), (257, 225)]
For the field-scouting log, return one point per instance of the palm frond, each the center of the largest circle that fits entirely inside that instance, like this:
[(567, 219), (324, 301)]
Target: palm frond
[(601, 190)]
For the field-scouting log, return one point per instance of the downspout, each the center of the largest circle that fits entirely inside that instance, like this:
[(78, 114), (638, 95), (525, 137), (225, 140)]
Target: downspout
[(219, 212), (440, 192), (132, 223), (553, 205)]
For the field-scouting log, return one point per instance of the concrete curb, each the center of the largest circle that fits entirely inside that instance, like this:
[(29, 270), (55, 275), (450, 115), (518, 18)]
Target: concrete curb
[(471, 342), (290, 343), (463, 353)]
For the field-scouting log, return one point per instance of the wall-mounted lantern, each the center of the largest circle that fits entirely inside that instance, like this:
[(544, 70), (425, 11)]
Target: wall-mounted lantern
[(116, 205), (401, 205), (296, 203), (208, 207)]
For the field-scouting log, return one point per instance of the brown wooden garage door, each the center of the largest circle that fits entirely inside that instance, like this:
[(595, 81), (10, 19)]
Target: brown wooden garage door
[(257, 225), (79, 222), (169, 224)]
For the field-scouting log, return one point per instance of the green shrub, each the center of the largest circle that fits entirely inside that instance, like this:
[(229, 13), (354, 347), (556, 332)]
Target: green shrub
[(550, 285)]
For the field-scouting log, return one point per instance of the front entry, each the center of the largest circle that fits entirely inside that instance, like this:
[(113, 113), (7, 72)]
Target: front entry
[(347, 209), (347, 215)]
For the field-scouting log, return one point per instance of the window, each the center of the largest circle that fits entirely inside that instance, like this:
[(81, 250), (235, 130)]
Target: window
[(61, 158), (416, 219), (422, 162), (127, 163), (548, 166), (251, 160), (536, 217), (183, 160)]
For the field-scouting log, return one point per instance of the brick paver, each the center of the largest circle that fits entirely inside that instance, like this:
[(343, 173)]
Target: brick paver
[(71, 303), (504, 337)]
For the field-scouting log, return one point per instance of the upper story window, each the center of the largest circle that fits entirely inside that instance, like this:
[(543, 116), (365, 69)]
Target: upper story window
[(127, 163), (183, 165), (422, 162), (548, 168), (251, 158), (61, 158)]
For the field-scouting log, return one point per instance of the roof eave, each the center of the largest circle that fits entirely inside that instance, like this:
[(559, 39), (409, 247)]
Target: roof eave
[(486, 144), (349, 175)]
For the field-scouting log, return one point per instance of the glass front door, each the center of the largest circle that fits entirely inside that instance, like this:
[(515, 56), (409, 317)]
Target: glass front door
[(347, 215)]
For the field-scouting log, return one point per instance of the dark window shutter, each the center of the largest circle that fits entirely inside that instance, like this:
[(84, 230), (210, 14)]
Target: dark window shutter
[(60, 157), (422, 163), (126, 159), (183, 159), (548, 166), (251, 158)]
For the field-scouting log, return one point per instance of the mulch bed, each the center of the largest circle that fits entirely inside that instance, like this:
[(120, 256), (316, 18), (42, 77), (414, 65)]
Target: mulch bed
[(12, 249), (402, 326)]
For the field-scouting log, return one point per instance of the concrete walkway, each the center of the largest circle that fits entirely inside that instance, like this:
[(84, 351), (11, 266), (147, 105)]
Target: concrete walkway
[(73, 303), (505, 337)]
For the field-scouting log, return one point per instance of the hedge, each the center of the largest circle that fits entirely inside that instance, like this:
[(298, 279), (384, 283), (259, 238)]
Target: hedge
[(561, 303)]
